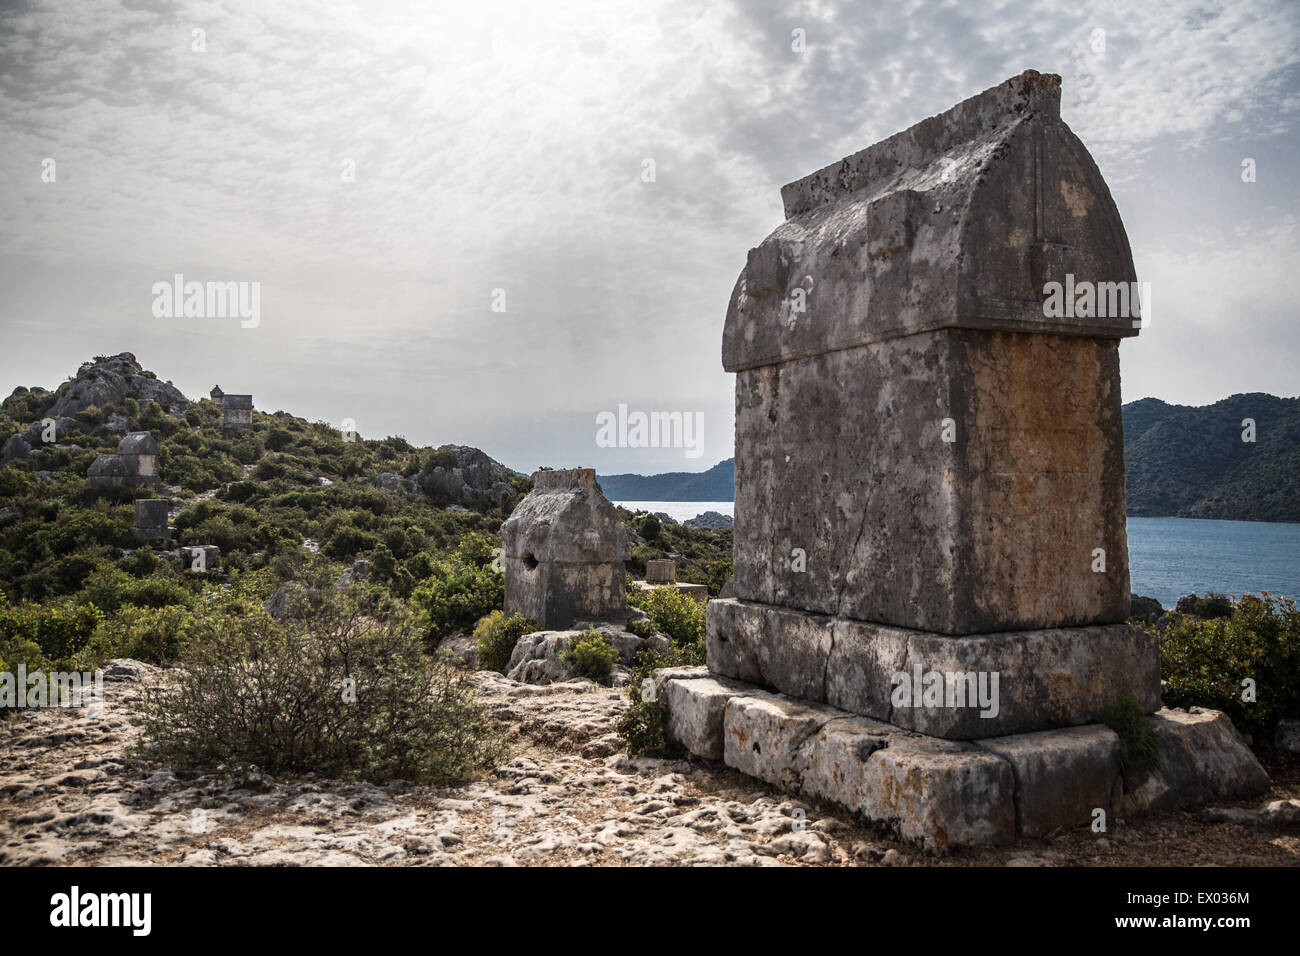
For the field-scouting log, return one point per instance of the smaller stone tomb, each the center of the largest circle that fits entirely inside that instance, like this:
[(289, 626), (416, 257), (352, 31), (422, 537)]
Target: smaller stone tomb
[(564, 551), (134, 463), (150, 519), (660, 571)]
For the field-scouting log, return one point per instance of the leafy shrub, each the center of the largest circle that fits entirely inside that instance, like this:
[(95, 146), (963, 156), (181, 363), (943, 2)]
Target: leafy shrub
[(1139, 752), (1212, 606), (109, 588), (644, 725), (456, 595), (592, 656), (57, 631), (342, 687), (676, 614), (152, 634), (641, 627), (496, 636), (1206, 661)]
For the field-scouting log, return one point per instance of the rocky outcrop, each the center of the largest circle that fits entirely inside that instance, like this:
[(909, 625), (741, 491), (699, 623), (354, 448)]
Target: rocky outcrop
[(15, 448), (1145, 609), (109, 381), (464, 474), (539, 658), (711, 520)]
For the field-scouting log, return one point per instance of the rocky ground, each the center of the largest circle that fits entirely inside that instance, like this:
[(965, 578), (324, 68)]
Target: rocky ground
[(567, 796)]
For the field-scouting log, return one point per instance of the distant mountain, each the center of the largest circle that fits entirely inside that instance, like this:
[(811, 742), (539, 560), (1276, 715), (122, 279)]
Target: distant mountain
[(716, 484), (1191, 462), (1181, 461)]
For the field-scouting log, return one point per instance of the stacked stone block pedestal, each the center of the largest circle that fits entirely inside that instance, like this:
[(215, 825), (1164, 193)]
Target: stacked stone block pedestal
[(930, 590)]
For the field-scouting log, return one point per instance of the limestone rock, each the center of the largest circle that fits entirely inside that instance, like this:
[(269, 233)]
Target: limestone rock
[(1287, 736), (15, 448), (112, 380), (465, 474), (1061, 776), (1202, 758)]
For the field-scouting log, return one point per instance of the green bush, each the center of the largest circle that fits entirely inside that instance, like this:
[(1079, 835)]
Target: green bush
[(496, 636), (1205, 662), (342, 687), (456, 595), (644, 725), (673, 613), (592, 656), (58, 631), (151, 634), (1212, 606), (109, 588)]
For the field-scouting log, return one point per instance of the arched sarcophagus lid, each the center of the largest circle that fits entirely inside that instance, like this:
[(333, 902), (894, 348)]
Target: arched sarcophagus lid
[(957, 222)]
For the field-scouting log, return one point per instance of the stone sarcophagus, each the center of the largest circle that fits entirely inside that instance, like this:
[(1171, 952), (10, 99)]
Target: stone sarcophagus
[(564, 551), (929, 448)]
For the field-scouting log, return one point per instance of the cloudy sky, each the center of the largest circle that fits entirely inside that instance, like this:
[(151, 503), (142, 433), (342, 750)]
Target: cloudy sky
[(381, 167)]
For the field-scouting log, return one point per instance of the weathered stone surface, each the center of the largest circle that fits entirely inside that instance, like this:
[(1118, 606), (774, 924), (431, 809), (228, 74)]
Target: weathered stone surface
[(842, 456), (762, 736), (955, 222), (770, 646), (661, 677), (15, 448), (1057, 677), (1061, 776), (564, 551), (834, 762), (917, 443), (1202, 758), (150, 519), (539, 658), (942, 793), (110, 382), (200, 557), (1287, 736), (696, 707), (660, 571)]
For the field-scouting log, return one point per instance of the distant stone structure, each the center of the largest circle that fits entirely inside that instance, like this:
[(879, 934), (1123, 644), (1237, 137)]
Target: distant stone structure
[(134, 463), (660, 571), (150, 519), (930, 541), (564, 552), (236, 410)]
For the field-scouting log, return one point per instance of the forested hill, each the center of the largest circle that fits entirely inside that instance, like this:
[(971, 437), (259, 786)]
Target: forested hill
[(1192, 462)]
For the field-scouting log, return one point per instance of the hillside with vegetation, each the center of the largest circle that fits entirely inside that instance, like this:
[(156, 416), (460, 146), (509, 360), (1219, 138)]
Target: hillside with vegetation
[(1192, 462), (287, 501)]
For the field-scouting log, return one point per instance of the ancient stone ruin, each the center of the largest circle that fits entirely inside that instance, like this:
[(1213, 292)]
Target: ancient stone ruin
[(236, 410), (564, 551), (662, 573), (150, 519), (134, 463), (931, 567)]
